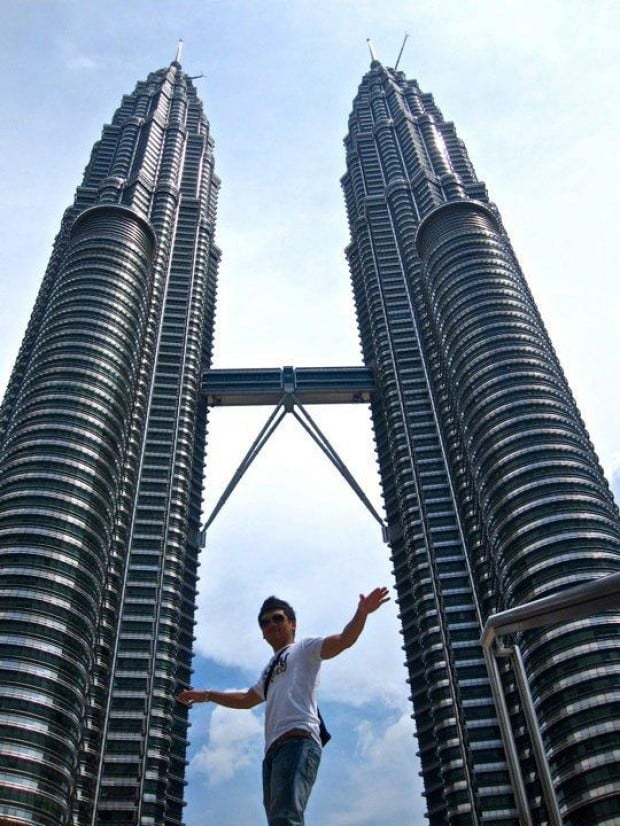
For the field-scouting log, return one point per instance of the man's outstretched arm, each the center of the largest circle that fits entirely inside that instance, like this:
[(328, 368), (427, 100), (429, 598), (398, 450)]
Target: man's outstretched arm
[(336, 644), (229, 699)]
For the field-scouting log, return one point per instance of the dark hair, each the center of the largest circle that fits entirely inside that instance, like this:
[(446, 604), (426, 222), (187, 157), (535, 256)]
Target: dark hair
[(272, 604)]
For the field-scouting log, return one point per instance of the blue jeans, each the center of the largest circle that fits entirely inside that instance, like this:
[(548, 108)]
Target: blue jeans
[(288, 776)]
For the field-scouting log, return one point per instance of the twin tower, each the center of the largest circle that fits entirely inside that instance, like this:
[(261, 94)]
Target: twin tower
[(493, 494)]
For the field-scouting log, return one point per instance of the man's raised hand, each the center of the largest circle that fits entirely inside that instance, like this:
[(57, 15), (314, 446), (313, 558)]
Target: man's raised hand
[(374, 600)]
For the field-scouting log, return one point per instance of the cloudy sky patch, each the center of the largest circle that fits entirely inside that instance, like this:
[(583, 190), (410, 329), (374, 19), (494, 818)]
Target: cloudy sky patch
[(234, 742)]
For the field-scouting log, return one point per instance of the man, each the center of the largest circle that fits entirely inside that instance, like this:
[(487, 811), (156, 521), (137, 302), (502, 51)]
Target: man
[(289, 686)]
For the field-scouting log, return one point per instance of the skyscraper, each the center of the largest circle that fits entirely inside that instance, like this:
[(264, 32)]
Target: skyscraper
[(101, 461), (493, 492)]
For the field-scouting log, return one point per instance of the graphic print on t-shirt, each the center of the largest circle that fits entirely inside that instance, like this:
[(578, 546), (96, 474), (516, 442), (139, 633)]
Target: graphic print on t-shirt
[(278, 665), (281, 665)]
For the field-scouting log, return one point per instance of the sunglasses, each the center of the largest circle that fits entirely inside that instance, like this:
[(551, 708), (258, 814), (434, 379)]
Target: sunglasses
[(276, 619)]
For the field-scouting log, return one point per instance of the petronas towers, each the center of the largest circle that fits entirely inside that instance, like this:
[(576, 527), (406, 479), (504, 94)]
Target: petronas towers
[(493, 494)]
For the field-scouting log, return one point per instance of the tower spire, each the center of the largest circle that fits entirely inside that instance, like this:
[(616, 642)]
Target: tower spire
[(373, 56), (400, 54), (177, 58)]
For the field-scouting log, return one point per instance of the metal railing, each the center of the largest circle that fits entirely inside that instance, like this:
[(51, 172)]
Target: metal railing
[(575, 603)]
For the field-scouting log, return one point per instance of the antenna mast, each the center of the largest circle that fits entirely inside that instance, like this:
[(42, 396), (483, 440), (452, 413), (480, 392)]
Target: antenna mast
[(373, 56), (177, 59), (400, 54)]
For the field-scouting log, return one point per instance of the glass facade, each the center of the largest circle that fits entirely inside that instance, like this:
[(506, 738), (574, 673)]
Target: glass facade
[(101, 460), (494, 495)]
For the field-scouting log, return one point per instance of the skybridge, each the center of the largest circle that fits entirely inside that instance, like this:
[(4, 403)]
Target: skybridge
[(289, 389), (309, 385)]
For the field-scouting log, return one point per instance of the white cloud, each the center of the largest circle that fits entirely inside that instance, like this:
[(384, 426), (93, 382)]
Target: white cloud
[(234, 742), (78, 62), (379, 786)]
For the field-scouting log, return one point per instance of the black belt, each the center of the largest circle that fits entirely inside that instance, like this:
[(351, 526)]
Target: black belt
[(293, 734)]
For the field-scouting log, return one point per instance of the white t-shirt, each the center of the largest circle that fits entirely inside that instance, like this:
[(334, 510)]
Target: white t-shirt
[(293, 689)]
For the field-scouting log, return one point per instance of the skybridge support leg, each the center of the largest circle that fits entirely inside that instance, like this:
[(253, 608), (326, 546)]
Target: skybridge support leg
[(267, 430), (288, 404), (317, 435)]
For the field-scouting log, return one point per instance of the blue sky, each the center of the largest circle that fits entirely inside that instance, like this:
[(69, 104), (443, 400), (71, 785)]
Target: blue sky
[(532, 88)]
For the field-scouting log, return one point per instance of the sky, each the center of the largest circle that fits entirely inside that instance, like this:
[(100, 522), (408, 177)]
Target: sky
[(532, 89)]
